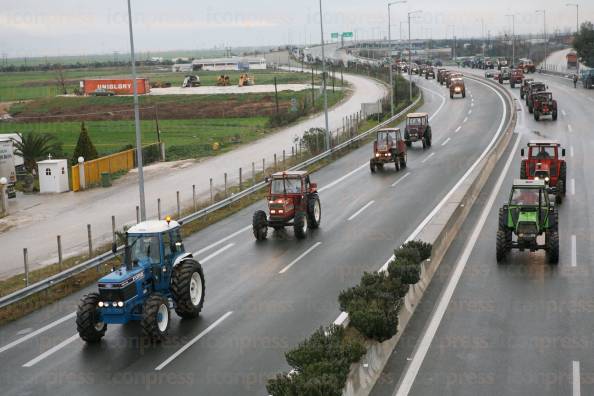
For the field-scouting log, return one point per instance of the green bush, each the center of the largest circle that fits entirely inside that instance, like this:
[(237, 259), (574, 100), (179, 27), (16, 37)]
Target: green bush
[(151, 154), (84, 146), (423, 248), (314, 140), (299, 384), (408, 272), (408, 253)]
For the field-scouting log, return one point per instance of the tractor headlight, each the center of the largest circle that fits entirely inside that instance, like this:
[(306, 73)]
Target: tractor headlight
[(536, 178), (120, 304), (280, 211), (114, 304), (272, 211), (100, 304), (377, 154), (547, 179)]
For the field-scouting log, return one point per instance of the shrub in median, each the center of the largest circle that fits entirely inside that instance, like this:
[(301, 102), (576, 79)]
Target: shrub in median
[(407, 271), (423, 248), (408, 253)]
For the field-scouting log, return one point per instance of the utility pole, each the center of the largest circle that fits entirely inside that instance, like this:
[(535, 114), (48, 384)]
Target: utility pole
[(137, 120), (513, 16), (483, 37), (410, 58), (577, 26), (390, 55), (324, 80), (544, 17)]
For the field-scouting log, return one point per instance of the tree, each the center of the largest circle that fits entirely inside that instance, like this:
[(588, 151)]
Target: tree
[(583, 43), (33, 147), (84, 146), (61, 79)]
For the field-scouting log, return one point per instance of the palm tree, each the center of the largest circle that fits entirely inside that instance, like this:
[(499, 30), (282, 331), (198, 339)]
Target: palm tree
[(34, 147)]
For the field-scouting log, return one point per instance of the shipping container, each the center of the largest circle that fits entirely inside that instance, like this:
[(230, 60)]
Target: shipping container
[(117, 86)]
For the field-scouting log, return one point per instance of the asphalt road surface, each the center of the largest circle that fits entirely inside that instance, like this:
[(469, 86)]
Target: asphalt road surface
[(519, 328), (262, 298)]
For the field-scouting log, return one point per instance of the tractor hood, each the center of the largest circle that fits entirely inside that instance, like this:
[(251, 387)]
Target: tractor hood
[(121, 277), (527, 224)]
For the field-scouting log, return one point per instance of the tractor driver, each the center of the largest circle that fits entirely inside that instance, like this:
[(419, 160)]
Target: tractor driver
[(543, 153), (147, 248), (293, 186)]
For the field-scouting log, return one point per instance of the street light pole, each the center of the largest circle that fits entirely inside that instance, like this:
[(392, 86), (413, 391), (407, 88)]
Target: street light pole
[(390, 55), (324, 81), (544, 16), (513, 16), (137, 120), (577, 26), (410, 58)]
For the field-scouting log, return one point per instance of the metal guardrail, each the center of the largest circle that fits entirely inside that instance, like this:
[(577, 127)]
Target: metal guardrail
[(107, 256)]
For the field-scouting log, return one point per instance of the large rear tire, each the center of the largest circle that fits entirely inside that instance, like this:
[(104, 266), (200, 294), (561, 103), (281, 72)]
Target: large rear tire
[(188, 289), (563, 175), (156, 317), (314, 211), (403, 161), (501, 246), (555, 115), (523, 170), (536, 115), (260, 225), (372, 166), (300, 225), (552, 247), (88, 325)]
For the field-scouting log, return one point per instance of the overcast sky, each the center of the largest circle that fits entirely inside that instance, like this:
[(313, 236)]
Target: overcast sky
[(75, 27)]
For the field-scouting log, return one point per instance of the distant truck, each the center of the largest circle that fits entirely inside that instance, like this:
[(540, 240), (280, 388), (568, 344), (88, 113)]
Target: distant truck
[(7, 166), (572, 60)]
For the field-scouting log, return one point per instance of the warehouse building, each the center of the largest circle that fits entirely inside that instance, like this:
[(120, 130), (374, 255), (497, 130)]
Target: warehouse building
[(219, 64)]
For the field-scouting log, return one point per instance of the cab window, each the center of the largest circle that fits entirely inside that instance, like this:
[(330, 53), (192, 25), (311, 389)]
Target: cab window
[(168, 246)]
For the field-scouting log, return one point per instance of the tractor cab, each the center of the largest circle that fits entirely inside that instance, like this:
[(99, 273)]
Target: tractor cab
[(545, 161), (388, 147), (533, 88)]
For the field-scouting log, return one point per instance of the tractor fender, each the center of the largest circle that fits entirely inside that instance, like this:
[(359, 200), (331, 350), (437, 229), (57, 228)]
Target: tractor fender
[(181, 258)]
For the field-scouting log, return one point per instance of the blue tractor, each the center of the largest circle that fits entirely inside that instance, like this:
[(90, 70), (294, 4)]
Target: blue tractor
[(157, 274)]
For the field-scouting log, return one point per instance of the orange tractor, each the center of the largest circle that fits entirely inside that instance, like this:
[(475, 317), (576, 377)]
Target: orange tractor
[(389, 147), (545, 161)]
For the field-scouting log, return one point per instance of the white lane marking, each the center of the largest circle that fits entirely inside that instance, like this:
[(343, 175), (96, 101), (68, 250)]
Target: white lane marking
[(571, 151), (217, 243), (427, 157), (37, 332), (299, 257), (458, 129), (357, 213), (576, 382), (446, 141), (193, 341), (472, 103), (51, 351), (469, 112), (215, 254), (563, 112), (569, 128), (24, 331), (465, 119), (421, 350), (335, 182), (407, 174), (443, 101), (572, 186), (573, 251)]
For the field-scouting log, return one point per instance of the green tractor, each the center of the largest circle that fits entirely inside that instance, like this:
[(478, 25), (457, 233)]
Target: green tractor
[(529, 214)]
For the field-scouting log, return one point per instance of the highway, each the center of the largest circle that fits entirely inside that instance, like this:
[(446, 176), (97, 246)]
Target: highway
[(262, 298), (522, 327)]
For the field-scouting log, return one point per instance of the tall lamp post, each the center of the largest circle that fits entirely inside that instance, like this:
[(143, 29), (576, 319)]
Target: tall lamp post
[(324, 81), (390, 54), (544, 17), (577, 25), (409, 57), (137, 120), (513, 17)]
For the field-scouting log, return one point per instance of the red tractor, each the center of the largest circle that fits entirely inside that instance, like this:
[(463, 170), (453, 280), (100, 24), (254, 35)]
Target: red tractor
[(292, 201), (517, 75), (545, 162), (524, 87), (417, 129), (543, 104), (388, 147)]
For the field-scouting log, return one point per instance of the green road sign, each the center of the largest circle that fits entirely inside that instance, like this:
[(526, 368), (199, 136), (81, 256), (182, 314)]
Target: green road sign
[(347, 34), (334, 35)]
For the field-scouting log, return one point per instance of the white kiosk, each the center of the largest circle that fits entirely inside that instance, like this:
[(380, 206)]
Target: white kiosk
[(53, 176)]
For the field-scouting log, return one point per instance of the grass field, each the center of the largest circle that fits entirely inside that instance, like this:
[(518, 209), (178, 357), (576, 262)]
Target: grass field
[(32, 85)]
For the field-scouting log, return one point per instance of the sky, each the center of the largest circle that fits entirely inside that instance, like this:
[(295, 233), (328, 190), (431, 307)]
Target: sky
[(79, 27)]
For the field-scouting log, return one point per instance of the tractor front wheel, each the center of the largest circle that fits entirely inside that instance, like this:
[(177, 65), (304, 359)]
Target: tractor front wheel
[(555, 115), (155, 318), (536, 115), (408, 143), (188, 289), (260, 225), (314, 211), (300, 225), (88, 325), (372, 166), (501, 246), (552, 247), (523, 170)]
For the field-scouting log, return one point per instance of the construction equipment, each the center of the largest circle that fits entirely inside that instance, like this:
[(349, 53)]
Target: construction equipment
[(245, 80), (223, 81), (529, 215), (191, 81), (157, 273)]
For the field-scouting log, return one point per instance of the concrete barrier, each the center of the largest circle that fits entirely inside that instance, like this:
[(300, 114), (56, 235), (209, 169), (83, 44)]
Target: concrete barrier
[(439, 231)]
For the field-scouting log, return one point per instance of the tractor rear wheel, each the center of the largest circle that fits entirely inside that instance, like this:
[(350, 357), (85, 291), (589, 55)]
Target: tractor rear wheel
[(155, 317), (464, 93), (408, 143), (552, 247), (555, 115), (536, 115), (372, 166), (300, 225), (397, 164), (451, 95), (501, 246), (563, 175), (523, 169), (188, 289), (402, 159), (530, 109), (512, 84), (428, 136), (260, 225), (558, 194), (88, 325), (314, 211), (521, 93)]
